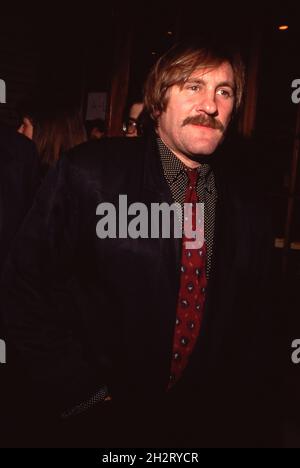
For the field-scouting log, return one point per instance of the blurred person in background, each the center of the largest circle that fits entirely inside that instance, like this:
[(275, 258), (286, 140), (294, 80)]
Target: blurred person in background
[(26, 111), (132, 123), (54, 130), (95, 129), (19, 181)]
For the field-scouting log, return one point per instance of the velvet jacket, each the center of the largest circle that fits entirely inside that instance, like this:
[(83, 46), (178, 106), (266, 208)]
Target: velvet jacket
[(84, 312)]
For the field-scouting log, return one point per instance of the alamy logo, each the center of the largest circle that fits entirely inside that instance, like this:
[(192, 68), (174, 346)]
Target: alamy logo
[(2, 92), (2, 352), (162, 221), (296, 93), (296, 354)]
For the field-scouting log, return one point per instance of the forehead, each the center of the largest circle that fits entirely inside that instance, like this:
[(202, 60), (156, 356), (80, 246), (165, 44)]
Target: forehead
[(217, 74)]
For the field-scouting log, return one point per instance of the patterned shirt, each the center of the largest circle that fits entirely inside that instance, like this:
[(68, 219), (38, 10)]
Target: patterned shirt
[(177, 179)]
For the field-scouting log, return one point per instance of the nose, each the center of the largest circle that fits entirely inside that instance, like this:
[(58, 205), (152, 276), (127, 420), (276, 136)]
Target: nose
[(207, 103)]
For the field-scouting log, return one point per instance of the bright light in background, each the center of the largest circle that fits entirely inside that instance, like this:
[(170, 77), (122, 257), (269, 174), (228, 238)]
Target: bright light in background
[(283, 27)]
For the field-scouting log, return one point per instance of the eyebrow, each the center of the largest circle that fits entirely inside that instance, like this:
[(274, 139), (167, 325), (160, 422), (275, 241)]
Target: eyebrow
[(229, 84)]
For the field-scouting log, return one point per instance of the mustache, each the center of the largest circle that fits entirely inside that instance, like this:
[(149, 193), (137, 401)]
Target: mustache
[(205, 120)]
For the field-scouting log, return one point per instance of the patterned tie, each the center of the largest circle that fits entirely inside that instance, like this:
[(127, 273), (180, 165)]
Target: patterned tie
[(192, 292)]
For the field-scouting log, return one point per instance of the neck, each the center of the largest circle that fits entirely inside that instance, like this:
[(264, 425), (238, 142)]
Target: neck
[(184, 159)]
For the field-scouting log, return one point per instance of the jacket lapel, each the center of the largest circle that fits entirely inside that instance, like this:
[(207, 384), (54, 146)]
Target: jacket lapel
[(156, 185)]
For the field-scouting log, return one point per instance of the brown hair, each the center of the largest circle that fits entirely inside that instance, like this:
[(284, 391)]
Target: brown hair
[(57, 132), (176, 66)]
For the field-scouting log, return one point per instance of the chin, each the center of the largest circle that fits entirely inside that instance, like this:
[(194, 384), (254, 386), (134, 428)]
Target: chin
[(203, 154), (205, 146), (204, 150)]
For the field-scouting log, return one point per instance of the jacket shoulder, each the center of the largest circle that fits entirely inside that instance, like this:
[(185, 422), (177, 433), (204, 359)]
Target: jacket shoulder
[(106, 153), (112, 165)]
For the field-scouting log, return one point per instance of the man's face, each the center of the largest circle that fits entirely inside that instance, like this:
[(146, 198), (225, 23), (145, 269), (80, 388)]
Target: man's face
[(198, 114)]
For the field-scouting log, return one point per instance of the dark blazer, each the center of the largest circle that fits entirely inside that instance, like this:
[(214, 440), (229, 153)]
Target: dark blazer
[(84, 312)]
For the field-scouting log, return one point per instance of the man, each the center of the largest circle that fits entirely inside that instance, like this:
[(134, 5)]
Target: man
[(141, 341)]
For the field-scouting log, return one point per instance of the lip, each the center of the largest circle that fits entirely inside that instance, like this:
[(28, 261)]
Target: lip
[(202, 126)]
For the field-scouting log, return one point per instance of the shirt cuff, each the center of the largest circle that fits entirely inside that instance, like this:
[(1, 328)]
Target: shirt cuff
[(84, 406)]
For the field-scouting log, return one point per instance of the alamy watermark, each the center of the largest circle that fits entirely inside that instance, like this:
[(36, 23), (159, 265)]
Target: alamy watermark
[(2, 352), (2, 92), (162, 221), (296, 353), (296, 92), (2, 342)]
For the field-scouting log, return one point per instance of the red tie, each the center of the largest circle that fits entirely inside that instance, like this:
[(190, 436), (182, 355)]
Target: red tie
[(192, 292)]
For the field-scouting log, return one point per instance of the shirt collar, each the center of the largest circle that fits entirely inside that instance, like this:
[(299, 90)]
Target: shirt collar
[(173, 167)]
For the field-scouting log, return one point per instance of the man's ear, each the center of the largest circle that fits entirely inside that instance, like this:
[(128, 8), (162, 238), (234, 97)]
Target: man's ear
[(21, 129), (157, 113), (155, 116)]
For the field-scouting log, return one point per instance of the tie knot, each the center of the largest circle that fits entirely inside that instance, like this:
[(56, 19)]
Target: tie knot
[(192, 176)]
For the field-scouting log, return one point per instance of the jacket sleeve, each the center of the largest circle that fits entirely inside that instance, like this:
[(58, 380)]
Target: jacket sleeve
[(36, 303)]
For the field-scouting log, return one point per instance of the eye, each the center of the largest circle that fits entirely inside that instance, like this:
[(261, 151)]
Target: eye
[(193, 87), (225, 93)]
